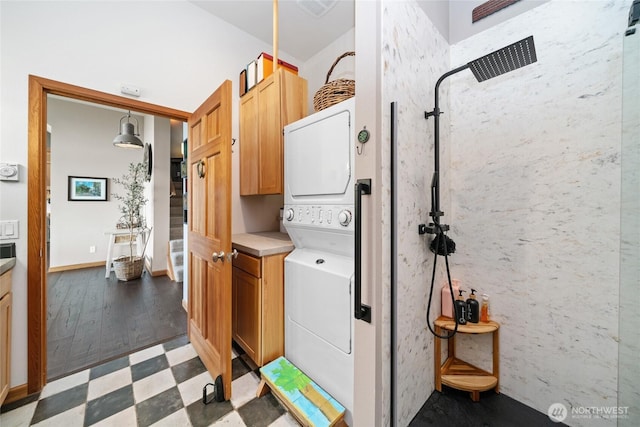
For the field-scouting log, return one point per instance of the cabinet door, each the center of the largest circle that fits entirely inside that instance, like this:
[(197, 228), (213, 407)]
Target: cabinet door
[(273, 103), (273, 307), (247, 313), (5, 345), (270, 136), (249, 143)]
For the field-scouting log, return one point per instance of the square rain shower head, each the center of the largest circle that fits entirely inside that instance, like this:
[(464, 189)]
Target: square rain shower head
[(502, 61)]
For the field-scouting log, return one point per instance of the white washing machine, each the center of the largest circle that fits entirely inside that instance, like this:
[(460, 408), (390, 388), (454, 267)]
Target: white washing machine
[(318, 213)]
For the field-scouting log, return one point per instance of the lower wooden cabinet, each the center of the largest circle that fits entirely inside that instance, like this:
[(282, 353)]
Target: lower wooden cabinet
[(258, 306), (5, 334)]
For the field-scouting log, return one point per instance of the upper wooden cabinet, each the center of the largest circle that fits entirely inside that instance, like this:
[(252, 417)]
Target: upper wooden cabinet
[(273, 103)]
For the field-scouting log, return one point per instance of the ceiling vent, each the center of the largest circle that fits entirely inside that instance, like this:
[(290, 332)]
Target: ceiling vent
[(316, 8)]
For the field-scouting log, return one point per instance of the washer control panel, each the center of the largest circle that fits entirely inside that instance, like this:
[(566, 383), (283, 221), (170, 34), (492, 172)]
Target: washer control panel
[(339, 217)]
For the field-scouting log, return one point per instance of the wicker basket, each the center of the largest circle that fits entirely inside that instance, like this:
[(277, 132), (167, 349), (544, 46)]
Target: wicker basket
[(128, 270), (336, 91)]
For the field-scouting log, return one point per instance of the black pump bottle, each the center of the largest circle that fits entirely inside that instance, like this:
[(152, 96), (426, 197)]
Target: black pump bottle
[(473, 308), (461, 309)]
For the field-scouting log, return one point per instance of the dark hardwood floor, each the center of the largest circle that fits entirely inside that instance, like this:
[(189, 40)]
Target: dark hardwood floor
[(91, 319)]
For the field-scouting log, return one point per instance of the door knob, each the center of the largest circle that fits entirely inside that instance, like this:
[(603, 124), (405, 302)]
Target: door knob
[(218, 256), (232, 255)]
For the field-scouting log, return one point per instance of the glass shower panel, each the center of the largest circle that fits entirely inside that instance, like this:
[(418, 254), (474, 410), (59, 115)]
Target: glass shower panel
[(629, 328)]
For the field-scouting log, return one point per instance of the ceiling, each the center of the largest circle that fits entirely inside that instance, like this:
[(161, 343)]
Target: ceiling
[(300, 34)]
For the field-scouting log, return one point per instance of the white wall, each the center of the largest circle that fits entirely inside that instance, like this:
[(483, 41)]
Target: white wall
[(438, 13), (461, 13), (535, 187), (35, 39), (415, 55), (157, 191), (81, 145), (315, 69)]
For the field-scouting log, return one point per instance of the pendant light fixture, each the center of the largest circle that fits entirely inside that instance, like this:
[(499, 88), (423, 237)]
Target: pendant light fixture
[(128, 138)]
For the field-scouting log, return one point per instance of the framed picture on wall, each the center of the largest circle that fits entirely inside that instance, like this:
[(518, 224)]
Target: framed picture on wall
[(86, 189)]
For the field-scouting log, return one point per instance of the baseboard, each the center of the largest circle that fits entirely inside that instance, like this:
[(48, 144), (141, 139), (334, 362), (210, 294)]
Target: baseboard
[(157, 273), (184, 305), (16, 393), (77, 266)]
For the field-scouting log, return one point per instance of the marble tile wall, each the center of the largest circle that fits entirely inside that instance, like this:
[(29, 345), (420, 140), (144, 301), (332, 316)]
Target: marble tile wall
[(535, 197), (414, 56)]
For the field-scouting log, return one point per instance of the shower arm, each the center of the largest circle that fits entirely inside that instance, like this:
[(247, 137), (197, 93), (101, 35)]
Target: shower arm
[(435, 181)]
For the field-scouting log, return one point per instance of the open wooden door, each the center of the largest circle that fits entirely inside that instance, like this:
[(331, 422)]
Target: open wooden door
[(209, 187)]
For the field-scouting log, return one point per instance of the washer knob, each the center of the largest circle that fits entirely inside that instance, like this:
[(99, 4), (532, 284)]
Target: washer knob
[(344, 217), (290, 214)]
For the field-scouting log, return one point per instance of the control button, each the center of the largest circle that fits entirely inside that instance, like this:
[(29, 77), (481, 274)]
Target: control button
[(344, 217), (299, 214), (290, 214), (320, 216), (329, 216)]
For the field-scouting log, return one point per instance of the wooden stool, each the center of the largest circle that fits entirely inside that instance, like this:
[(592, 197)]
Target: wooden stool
[(459, 374), (309, 404)]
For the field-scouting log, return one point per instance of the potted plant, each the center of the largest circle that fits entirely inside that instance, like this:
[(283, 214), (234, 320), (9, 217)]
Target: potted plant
[(131, 206)]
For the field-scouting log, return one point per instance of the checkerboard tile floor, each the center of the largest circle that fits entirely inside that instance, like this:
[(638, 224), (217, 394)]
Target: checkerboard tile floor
[(159, 386)]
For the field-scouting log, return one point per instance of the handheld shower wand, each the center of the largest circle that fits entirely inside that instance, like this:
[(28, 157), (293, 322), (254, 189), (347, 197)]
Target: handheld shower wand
[(509, 58)]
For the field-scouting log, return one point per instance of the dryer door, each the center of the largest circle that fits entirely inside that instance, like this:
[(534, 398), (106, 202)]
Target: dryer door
[(318, 158)]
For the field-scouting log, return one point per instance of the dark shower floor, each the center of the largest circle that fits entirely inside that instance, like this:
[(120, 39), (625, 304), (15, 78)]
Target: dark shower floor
[(454, 408)]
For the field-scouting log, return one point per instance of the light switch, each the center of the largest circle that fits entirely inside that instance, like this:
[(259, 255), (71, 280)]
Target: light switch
[(9, 230)]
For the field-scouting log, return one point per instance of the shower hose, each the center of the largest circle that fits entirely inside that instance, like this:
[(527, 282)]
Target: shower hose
[(440, 233)]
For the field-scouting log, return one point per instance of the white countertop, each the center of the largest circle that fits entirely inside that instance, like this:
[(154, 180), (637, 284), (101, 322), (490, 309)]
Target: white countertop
[(6, 264), (263, 243)]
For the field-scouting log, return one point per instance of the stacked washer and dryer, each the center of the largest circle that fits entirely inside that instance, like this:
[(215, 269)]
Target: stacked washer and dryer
[(318, 208)]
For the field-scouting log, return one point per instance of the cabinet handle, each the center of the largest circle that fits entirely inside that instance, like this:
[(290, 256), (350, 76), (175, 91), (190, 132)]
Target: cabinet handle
[(361, 311), (218, 256), (232, 255)]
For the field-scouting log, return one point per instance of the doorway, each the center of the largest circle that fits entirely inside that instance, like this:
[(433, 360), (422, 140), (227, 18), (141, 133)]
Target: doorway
[(39, 88), (92, 319)]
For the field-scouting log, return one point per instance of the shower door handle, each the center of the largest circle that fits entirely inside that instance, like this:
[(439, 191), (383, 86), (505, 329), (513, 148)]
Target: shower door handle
[(361, 311)]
